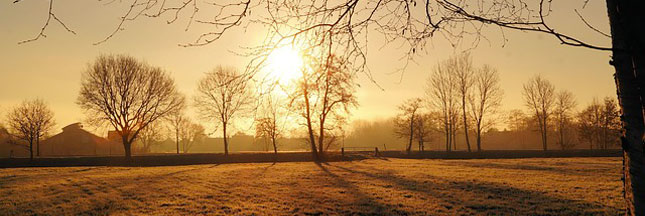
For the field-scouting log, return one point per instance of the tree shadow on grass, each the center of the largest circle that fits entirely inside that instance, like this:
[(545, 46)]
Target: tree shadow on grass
[(467, 197), (364, 204), (556, 169)]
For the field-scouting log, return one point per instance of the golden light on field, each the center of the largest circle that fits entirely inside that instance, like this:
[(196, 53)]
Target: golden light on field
[(285, 63)]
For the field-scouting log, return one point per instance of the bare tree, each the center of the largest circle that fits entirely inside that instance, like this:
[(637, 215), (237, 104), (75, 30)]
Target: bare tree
[(516, 120), (588, 122), (423, 127), (224, 95), (189, 134), (406, 121), (442, 95), (128, 95), (485, 100), (30, 121), (565, 102), (610, 120), (270, 127), (177, 121), (150, 136), (461, 67), (539, 96), (324, 92)]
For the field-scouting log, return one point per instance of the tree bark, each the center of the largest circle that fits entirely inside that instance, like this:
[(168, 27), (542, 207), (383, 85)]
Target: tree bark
[(31, 150), (312, 140), (625, 18), (127, 146), (321, 138)]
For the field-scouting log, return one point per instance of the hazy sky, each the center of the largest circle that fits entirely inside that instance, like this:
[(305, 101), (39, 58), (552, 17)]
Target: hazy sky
[(50, 68)]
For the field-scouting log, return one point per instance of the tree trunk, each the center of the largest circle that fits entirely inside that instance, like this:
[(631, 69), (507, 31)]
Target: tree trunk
[(225, 139), (37, 146), (562, 136), (544, 133), (321, 138), (275, 147), (177, 139), (312, 140), (127, 146), (408, 149), (31, 150), (479, 139), (463, 107), (625, 18)]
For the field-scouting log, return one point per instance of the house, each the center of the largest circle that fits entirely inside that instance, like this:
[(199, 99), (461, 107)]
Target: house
[(74, 140)]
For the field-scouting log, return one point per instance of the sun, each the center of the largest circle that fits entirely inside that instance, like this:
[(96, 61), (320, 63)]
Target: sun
[(285, 63)]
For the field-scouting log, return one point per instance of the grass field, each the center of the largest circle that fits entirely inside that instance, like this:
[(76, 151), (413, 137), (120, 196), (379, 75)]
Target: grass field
[(555, 186)]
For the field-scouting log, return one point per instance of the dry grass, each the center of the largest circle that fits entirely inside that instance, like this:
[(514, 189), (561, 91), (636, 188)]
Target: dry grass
[(567, 186)]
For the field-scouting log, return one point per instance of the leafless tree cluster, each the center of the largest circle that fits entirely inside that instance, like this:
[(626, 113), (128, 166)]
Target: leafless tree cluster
[(457, 89), (539, 96), (599, 124), (550, 108), (272, 122), (128, 95), (409, 123), (565, 103), (152, 135), (29, 122)]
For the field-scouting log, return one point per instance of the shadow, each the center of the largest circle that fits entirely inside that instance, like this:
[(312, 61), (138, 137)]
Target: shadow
[(368, 204), (466, 197), (264, 170), (562, 169)]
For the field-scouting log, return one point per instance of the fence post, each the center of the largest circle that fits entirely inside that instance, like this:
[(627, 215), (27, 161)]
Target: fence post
[(375, 151)]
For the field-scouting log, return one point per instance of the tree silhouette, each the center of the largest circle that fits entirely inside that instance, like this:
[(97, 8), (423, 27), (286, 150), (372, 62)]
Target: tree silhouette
[(223, 95), (270, 125), (189, 134), (442, 93), (539, 96), (128, 95), (565, 102), (150, 136), (407, 120), (461, 67), (485, 100), (322, 95), (177, 121), (30, 121)]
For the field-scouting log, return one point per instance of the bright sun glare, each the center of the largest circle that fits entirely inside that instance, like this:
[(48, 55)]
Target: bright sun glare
[(285, 63)]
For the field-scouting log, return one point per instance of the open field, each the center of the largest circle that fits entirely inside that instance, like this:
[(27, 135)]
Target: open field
[(554, 186)]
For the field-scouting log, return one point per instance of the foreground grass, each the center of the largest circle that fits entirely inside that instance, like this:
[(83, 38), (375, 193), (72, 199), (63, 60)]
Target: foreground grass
[(567, 186)]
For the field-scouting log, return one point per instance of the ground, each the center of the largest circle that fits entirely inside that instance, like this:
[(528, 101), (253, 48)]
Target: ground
[(555, 186)]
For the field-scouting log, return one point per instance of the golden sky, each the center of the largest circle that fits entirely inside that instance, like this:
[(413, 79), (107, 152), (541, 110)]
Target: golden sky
[(50, 68)]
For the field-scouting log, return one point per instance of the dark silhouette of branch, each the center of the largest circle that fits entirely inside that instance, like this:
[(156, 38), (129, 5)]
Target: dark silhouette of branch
[(50, 15)]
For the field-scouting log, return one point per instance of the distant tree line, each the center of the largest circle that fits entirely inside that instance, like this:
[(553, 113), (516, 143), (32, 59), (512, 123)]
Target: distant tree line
[(141, 104), (461, 96)]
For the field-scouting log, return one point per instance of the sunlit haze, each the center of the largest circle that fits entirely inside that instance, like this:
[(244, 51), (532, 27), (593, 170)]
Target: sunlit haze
[(50, 68)]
